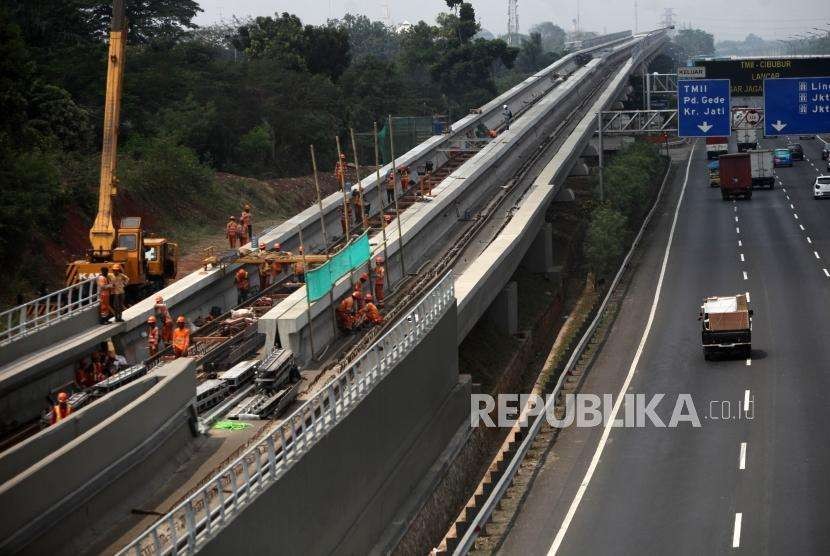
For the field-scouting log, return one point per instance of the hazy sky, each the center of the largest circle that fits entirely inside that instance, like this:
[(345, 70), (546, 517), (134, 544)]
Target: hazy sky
[(726, 19)]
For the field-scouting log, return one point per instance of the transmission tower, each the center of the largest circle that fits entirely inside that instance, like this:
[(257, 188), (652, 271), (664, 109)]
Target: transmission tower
[(512, 22), (668, 17), (386, 16)]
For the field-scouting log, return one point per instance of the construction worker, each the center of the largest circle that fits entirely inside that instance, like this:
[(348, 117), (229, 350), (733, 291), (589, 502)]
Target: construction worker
[(62, 410), (163, 316), (404, 178), (104, 291), (231, 229), (119, 283), (340, 169), (276, 266), (390, 188), (152, 336), (426, 184), (299, 267), (360, 286), (246, 221), (242, 285), (346, 312), (83, 374), (507, 115), (98, 373), (371, 314), (181, 338), (380, 272)]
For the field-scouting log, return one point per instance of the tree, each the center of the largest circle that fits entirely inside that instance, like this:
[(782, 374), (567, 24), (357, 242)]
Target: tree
[(372, 88), (368, 38), (530, 55), (327, 50), (553, 36), (694, 42), (605, 240)]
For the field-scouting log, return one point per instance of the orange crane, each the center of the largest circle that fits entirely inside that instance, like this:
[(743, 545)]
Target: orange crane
[(148, 261)]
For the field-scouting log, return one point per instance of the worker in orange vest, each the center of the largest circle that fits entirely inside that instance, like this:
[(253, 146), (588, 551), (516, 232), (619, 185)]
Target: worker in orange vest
[(242, 286), (380, 272), (299, 268), (360, 286), (62, 410), (390, 188), (119, 282), (163, 315), (404, 178), (426, 184), (181, 338), (152, 336), (276, 266), (340, 169), (346, 312), (104, 291), (231, 230), (370, 311), (264, 269)]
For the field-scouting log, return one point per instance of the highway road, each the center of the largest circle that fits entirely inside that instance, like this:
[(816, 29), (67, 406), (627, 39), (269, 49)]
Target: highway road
[(752, 481)]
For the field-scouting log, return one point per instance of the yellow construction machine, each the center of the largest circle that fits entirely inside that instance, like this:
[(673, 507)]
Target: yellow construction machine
[(148, 261)]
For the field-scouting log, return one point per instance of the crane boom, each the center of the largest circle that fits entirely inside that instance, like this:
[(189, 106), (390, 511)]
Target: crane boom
[(102, 234)]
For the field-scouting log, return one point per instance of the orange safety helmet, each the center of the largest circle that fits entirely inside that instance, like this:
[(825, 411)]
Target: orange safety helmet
[(151, 320), (116, 266), (343, 156), (356, 295), (247, 207), (364, 277), (241, 272), (180, 320), (368, 297), (263, 247), (62, 397), (278, 247), (379, 259), (159, 299)]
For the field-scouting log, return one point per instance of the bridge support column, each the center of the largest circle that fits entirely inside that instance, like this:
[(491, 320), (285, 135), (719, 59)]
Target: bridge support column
[(539, 257), (504, 311)]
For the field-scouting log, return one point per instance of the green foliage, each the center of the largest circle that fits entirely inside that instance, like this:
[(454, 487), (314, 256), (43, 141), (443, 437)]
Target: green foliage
[(256, 148), (605, 241), (368, 38), (159, 169), (532, 56), (553, 36), (694, 42)]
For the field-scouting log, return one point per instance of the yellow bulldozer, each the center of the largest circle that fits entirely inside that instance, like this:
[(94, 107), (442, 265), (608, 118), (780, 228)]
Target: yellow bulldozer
[(150, 262)]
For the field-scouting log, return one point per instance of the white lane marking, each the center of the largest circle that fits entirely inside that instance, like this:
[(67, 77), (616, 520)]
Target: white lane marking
[(742, 257), (746, 276), (742, 458), (795, 216), (736, 532), (740, 244), (737, 230), (788, 198), (809, 240), (735, 208), (782, 183), (801, 226), (746, 399), (749, 361), (583, 486), (826, 273), (791, 206), (736, 219), (748, 300), (816, 254)]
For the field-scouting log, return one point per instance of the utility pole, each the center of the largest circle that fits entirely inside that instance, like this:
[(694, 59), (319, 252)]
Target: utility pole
[(635, 16), (512, 22)]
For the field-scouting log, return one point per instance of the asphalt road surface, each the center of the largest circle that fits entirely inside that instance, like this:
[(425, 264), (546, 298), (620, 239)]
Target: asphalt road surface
[(753, 479)]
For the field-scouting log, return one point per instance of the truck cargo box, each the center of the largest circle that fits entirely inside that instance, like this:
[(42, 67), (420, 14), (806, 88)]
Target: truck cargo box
[(762, 168), (716, 146), (735, 175), (726, 325), (747, 138)]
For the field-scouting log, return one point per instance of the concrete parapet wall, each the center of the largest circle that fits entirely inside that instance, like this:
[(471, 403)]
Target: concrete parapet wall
[(56, 485), (48, 335), (344, 492)]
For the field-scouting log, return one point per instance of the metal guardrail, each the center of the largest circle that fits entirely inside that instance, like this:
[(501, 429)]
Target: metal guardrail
[(191, 524), (486, 511), (43, 311)]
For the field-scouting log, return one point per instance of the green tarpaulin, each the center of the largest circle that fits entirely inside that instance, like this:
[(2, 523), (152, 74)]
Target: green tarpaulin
[(321, 279)]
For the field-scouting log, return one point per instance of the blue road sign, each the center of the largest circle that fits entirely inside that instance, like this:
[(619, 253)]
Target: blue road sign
[(795, 105), (703, 108)]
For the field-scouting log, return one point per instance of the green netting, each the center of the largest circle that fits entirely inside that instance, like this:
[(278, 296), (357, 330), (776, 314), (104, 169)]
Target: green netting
[(321, 279)]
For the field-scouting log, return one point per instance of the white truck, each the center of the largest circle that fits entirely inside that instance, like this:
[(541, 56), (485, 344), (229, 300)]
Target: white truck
[(762, 168), (746, 138)]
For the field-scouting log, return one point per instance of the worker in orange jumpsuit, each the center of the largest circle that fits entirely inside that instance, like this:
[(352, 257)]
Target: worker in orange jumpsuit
[(264, 269), (246, 221), (404, 178), (242, 286), (371, 314), (390, 188), (119, 282), (62, 410), (163, 316), (299, 268), (276, 266), (346, 312), (181, 338), (379, 272), (231, 230), (98, 367), (426, 184), (360, 287), (152, 336), (104, 291), (83, 374), (340, 170)]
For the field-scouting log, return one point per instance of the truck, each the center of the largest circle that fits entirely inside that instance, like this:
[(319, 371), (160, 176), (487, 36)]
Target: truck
[(713, 166), (735, 175), (747, 138), (726, 325), (716, 146), (761, 166)]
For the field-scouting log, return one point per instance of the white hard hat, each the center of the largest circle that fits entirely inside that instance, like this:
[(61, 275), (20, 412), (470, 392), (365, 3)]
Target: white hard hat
[(505, 106)]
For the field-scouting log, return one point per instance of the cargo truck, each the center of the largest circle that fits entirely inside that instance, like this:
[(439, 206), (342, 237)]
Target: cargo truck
[(747, 139), (716, 146), (735, 175), (726, 326), (714, 173), (762, 168)]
